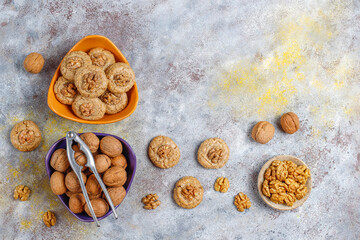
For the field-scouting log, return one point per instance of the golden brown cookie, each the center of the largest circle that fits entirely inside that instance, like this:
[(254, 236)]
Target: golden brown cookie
[(188, 192), (65, 90), (163, 152), (88, 108), (121, 77), (72, 62), (101, 58), (213, 153), (25, 136), (91, 81), (114, 102)]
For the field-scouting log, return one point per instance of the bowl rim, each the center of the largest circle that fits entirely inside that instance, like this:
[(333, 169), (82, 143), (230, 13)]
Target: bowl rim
[(267, 200), (49, 171), (76, 119)]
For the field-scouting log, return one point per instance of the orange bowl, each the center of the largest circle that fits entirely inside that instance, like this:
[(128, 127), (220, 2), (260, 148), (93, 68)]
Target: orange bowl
[(65, 111)]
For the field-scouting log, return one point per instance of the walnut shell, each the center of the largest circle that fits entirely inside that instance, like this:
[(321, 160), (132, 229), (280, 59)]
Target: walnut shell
[(72, 182), (100, 207), (119, 161), (91, 140), (57, 183), (290, 122), (34, 62), (92, 185), (115, 177), (59, 160), (117, 194), (77, 203), (263, 132), (95, 196), (102, 163), (110, 146), (80, 159)]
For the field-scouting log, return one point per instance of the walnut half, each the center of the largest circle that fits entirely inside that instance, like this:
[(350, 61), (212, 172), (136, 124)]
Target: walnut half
[(242, 202), (21, 192), (222, 184), (151, 201), (49, 219)]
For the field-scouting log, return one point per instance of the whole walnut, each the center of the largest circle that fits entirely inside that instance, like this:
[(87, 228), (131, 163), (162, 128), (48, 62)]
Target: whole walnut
[(72, 182), (290, 122), (119, 161), (117, 194), (91, 140), (34, 62), (77, 203), (102, 163), (80, 159), (263, 132), (59, 160), (57, 183), (100, 207), (110, 146), (92, 185), (115, 177)]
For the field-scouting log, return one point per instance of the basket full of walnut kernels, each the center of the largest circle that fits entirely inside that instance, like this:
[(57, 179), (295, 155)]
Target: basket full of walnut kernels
[(115, 161)]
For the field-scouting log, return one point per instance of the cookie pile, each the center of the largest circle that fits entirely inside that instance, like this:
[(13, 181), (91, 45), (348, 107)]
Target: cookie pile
[(110, 164), (93, 83)]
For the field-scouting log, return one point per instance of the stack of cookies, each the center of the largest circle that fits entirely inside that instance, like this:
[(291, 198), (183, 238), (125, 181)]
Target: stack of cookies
[(93, 83)]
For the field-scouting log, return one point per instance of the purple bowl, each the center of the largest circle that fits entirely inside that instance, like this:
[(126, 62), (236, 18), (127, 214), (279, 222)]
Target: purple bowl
[(130, 169)]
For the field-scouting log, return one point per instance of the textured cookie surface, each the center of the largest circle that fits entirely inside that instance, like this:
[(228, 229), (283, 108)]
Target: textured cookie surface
[(188, 192), (114, 102), (65, 90), (25, 136), (72, 62), (121, 77), (88, 108), (163, 152), (101, 58), (213, 153), (91, 81)]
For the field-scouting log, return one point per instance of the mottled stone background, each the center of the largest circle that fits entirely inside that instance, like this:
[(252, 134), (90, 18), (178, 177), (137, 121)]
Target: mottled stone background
[(204, 69)]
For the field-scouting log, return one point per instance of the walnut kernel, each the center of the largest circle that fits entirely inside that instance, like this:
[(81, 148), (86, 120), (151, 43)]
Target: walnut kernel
[(222, 184), (189, 192), (242, 202), (49, 219), (151, 201), (21, 192)]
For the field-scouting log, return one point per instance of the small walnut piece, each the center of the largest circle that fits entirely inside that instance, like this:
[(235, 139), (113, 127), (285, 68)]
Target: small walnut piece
[(21, 192), (188, 192), (263, 132), (151, 201), (215, 154), (49, 219), (74, 62), (222, 184), (34, 62), (290, 122), (164, 151), (242, 202)]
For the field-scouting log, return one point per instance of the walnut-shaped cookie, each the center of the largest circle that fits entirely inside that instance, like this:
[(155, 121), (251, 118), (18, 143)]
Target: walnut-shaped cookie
[(188, 192), (163, 152), (121, 77), (65, 90), (88, 108), (25, 136), (101, 58), (72, 62), (91, 81), (114, 102), (213, 153)]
